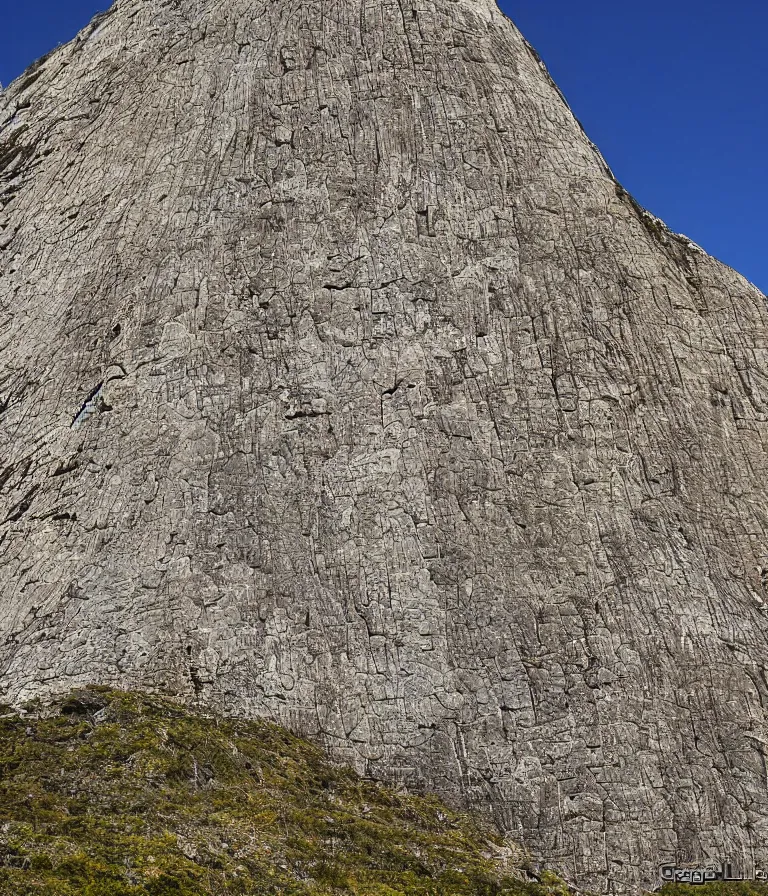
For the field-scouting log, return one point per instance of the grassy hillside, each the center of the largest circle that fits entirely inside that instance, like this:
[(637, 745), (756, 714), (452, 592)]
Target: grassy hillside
[(730, 888), (114, 794)]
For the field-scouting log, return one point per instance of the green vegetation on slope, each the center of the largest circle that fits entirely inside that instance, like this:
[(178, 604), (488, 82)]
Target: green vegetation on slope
[(728, 888), (114, 794)]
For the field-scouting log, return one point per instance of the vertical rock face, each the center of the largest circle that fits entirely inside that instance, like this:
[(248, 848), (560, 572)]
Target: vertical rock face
[(341, 383)]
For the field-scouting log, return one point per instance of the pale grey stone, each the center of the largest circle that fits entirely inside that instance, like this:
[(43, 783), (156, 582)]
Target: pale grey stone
[(341, 383)]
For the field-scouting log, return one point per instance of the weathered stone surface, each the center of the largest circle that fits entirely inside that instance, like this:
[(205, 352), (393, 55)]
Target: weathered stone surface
[(341, 383)]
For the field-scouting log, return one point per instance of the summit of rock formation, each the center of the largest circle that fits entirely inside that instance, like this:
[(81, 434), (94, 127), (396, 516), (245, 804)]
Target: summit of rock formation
[(342, 384)]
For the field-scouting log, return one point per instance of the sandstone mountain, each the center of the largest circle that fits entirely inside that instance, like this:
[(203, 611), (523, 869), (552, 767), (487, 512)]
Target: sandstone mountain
[(341, 384)]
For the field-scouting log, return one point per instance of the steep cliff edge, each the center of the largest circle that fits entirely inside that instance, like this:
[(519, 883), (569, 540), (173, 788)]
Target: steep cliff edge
[(340, 383)]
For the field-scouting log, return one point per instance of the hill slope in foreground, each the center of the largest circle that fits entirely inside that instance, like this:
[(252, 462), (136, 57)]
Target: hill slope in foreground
[(124, 794), (105, 793)]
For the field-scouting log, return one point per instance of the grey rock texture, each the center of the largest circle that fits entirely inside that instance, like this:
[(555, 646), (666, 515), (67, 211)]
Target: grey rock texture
[(341, 383)]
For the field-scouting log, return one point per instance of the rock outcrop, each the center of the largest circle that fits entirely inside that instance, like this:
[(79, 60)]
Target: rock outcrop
[(341, 383)]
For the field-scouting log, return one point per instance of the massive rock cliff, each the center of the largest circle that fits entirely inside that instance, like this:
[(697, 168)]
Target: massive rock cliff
[(341, 383)]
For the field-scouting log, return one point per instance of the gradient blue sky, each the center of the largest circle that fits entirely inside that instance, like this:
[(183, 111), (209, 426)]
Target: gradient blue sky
[(674, 92)]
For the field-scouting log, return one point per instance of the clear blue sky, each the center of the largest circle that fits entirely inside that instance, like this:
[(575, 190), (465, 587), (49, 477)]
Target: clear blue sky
[(674, 92)]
